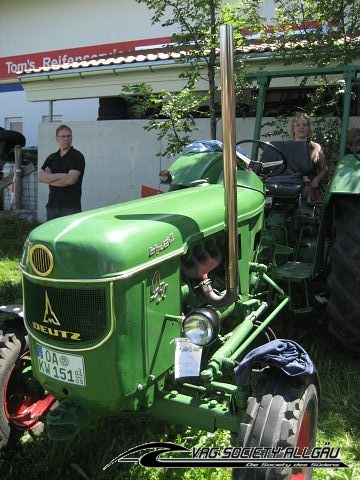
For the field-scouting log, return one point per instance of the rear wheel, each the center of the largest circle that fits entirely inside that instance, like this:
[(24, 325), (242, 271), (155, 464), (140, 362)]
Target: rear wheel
[(282, 413), (344, 278), (22, 399)]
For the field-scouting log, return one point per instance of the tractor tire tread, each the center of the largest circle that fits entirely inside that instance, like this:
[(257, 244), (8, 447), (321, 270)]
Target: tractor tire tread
[(13, 341), (344, 278), (271, 419)]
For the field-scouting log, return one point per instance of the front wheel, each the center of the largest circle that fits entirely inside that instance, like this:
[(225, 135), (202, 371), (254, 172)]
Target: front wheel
[(282, 412), (22, 399)]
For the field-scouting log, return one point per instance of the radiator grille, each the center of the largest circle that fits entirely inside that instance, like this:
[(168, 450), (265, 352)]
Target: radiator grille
[(55, 314), (41, 260)]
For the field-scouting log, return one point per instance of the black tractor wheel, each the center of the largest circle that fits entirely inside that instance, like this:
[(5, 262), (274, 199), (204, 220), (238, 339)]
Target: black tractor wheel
[(282, 412), (22, 399), (344, 279)]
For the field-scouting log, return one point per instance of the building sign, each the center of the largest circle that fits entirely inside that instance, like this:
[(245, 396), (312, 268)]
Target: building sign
[(10, 66)]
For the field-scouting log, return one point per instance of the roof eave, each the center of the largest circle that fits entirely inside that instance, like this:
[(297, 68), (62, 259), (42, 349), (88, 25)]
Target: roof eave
[(92, 70)]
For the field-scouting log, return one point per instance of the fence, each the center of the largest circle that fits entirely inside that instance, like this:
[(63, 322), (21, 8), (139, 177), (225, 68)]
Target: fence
[(18, 185)]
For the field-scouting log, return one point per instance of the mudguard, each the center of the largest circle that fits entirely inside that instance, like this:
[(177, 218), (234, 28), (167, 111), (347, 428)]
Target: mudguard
[(346, 177)]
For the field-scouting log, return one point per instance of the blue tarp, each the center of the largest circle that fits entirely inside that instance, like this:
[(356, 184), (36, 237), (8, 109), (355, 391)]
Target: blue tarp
[(208, 146), (287, 355)]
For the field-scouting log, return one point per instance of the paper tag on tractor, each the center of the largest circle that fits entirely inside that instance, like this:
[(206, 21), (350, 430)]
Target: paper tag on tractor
[(187, 358)]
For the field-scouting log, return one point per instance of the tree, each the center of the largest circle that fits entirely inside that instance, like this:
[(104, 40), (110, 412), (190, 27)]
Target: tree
[(326, 30), (303, 31), (196, 24), (320, 33)]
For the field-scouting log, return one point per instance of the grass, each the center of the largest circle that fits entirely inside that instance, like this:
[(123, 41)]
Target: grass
[(84, 457), (13, 232)]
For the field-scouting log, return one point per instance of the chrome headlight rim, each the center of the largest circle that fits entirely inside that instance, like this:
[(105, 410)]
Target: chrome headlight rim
[(201, 326)]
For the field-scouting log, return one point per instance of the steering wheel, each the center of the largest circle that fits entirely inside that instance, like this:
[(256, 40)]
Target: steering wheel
[(257, 164), (355, 148)]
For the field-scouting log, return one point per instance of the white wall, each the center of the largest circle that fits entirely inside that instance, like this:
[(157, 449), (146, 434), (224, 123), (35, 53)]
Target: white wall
[(120, 157), (42, 25)]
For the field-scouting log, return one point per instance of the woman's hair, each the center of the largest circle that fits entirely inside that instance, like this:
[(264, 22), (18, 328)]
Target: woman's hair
[(296, 117)]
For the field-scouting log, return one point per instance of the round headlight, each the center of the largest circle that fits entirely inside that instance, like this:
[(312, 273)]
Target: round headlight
[(201, 326)]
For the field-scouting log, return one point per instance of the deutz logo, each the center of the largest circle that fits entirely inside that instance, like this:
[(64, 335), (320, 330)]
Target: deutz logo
[(49, 315), (50, 318)]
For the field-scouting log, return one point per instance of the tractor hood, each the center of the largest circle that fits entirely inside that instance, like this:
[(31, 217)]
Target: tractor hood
[(121, 239)]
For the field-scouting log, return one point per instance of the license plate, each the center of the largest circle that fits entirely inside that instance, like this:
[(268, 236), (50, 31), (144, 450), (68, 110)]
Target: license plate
[(61, 366)]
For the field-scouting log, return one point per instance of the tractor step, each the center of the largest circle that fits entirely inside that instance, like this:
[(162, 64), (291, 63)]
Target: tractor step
[(294, 271)]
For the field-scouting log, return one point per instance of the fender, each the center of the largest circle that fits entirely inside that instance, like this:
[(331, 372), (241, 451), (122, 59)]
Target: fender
[(346, 177)]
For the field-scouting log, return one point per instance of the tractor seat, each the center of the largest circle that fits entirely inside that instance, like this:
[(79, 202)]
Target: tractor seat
[(284, 186), (299, 164), (295, 271)]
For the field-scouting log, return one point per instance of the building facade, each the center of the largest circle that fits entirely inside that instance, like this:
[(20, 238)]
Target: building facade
[(67, 62), (42, 34)]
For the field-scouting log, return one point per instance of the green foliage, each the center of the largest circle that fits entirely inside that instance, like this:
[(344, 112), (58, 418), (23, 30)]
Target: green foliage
[(339, 414), (173, 116), (304, 32), (319, 34), (10, 282), (196, 29), (13, 232), (196, 36), (245, 18), (324, 29)]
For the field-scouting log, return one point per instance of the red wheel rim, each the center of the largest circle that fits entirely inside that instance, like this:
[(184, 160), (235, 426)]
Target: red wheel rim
[(304, 439), (24, 399)]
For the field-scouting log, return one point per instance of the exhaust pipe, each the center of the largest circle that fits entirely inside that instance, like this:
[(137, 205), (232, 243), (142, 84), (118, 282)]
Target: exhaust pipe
[(230, 175)]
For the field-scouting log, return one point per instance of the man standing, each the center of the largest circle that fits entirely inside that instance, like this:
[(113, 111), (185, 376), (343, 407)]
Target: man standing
[(63, 171)]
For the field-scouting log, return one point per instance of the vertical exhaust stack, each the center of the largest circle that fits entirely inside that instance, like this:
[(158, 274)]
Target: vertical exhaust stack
[(230, 175), (229, 141)]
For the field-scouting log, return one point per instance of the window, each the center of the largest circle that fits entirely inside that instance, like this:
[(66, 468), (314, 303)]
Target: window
[(55, 118), (14, 123)]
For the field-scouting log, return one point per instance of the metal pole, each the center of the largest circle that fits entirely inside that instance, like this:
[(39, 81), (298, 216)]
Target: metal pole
[(230, 175), (263, 81), (349, 76), (229, 154), (51, 110), (18, 177)]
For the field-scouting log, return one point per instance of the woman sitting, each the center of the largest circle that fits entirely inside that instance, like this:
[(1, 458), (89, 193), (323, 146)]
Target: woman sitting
[(300, 130)]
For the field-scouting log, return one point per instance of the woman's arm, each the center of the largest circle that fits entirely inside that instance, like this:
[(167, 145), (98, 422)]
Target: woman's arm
[(319, 159)]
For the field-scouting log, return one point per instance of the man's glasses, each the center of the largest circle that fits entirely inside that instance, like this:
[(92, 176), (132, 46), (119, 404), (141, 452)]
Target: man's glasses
[(64, 136)]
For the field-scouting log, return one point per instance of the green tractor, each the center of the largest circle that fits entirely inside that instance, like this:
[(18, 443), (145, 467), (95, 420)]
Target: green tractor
[(169, 307)]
